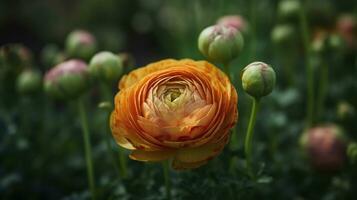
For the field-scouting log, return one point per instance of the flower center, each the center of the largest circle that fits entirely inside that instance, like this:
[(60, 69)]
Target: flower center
[(172, 94)]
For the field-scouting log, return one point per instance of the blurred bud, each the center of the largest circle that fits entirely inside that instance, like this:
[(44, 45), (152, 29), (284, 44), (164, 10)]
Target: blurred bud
[(128, 61), (110, 39), (283, 34), (235, 21), (325, 147), (51, 55), (220, 44), (105, 105), (325, 42), (29, 82), (67, 80), (352, 152), (289, 9), (258, 79), (106, 66), (81, 44), (345, 110), (346, 27), (15, 57)]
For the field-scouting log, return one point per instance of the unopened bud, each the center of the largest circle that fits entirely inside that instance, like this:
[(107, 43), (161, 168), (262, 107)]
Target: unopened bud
[(352, 152), (29, 82), (81, 44), (106, 66), (288, 9), (67, 80), (283, 34), (258, 79), (220, 43), (325, 147)]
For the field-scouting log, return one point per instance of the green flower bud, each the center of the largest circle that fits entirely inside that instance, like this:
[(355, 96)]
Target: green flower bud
[(51, 55), (283, 34), (106, 66), (352, 152), (128, 61), (289, 9), (325, 146), (67, 80), (258, 79), (81, 44), (29, 81), (345, 110), (220, 43)]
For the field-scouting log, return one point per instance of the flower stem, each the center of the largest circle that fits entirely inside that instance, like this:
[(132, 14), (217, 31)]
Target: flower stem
[(121, 159), (87, 147), (166, 171), (122, 163), (309, 69), (253, 30), (249, 137), (227, 70), (323, 84)]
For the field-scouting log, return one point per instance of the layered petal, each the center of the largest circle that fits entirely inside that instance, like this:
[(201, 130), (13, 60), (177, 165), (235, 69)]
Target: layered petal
[(180, 110)]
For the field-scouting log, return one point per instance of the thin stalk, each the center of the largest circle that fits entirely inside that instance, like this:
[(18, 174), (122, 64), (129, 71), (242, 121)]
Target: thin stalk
[(227, 70), (87, 147), (288, 69), (166, 171), (120, 158), (253, 29), (249, 137), (309, 68), (323, 84)]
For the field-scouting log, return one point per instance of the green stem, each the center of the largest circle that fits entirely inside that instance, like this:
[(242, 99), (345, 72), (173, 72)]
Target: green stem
[(253, 30), (227, 70), (122, 163), (288, 69), (166, 171), (121, 156), (87, 147), (323, 84), (309, 69), (249, 137)]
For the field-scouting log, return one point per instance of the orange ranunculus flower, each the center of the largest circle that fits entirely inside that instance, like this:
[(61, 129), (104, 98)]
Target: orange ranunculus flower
[(175, 109)]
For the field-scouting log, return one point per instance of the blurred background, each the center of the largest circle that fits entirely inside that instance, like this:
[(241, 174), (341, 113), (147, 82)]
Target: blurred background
[(41, 153)]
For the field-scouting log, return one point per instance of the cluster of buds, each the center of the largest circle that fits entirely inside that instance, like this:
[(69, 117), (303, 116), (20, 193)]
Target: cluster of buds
[(325, 42), (14, 57), (325, 147)]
